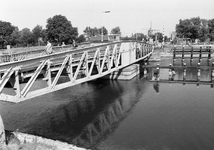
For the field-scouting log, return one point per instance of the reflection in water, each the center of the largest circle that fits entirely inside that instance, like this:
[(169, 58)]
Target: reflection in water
[(88, 121), (182, 74), (156, 86)]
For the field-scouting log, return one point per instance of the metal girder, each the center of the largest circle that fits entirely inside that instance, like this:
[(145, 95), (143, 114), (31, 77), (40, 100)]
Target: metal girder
[(5, 78), (118, 57), (79, 66), (105, 58), (113, 57), (60, 71), (33, 78), (95, 59)]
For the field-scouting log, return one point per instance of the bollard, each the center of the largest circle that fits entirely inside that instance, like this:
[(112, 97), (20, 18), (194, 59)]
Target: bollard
[(184, 72), (2, 134), (212, 72), (170, 71), (198, 74), (174, 54), (184, 66), (209, 54), (182, 54), (156, 72), (199, 71), (145, 70), (200, 54), (191, 55)]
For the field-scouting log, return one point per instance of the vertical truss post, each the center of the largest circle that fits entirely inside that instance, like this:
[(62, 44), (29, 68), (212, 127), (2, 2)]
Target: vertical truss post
[(48, 73), (113, 56), (86, 64), (119, 56), (70, 67), (17, 84)]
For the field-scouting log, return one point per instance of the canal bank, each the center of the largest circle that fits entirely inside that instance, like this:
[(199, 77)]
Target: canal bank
[(14, 140)]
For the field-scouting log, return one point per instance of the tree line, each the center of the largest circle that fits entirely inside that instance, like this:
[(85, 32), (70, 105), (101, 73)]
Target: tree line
[(58, 29), (196, 28)]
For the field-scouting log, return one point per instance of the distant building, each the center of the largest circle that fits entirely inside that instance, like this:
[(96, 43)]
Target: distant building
[(106, 38)]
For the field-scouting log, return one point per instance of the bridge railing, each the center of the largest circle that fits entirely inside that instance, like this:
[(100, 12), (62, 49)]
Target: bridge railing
[(17, 56), (30, 54)]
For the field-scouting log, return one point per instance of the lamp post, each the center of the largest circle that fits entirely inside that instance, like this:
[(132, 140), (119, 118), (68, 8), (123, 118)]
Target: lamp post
[(104, 12)]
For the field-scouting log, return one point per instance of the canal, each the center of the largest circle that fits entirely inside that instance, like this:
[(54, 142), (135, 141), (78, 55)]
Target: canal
[(124, 115)]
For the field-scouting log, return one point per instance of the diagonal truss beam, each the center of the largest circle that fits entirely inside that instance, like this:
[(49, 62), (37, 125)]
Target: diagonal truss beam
[(105, 58), (60, 72), (95, 58), (79, 66), (5, 78), (33, 78)]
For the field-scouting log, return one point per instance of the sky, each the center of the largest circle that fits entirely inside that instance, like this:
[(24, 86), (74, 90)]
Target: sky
[(132, 16)]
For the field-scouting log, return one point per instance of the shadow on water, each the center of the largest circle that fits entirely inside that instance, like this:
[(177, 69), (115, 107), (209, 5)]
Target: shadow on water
[(91, 114)]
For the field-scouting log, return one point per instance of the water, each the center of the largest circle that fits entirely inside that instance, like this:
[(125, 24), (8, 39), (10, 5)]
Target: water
[(123, 115)]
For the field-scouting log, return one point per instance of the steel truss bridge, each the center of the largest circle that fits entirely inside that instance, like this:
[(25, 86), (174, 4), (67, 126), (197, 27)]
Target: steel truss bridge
[(24, 79)]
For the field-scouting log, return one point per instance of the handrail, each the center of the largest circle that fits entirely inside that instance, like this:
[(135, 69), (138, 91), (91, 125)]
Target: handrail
[(33, 53), (56, 50)]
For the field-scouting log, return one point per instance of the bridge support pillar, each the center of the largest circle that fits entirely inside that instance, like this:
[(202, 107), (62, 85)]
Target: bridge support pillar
[(129, 53), (124, 74)]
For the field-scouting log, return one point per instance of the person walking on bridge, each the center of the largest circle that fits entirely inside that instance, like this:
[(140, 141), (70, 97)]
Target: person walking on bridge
[(74, 43), (49, 48)]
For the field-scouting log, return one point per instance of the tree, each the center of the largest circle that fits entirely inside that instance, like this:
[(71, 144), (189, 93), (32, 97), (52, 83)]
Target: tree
[(211, 29), (15, 37), (38, 34), (95, 31), (81, 38), (138, 37), (194, 28), (26, 38), (6, 29), (103, 30), (91, 32), (59, 30), (116, 30)]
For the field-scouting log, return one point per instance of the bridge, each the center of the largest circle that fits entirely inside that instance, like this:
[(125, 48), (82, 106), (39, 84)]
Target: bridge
[(34, 76)]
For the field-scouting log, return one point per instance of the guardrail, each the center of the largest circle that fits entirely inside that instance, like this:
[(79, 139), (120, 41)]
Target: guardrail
[(31, 54), (10, 57)]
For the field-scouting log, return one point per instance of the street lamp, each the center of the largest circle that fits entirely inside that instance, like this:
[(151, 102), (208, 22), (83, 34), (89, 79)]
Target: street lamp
[(104, 12)]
